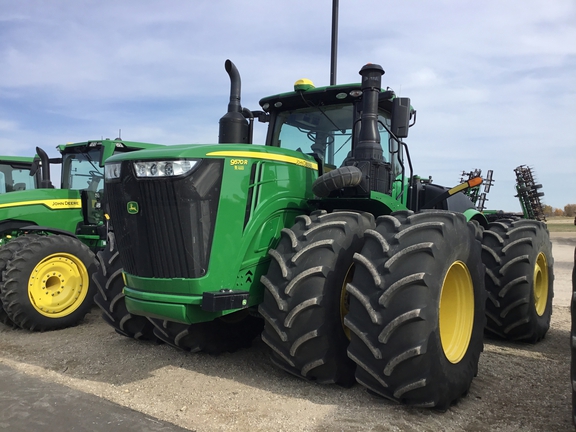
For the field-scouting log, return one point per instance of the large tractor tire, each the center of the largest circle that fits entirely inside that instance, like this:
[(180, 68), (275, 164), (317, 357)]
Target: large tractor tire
[(519, 279), (110, 296), (46, 284), (416, 312), (6, 254), (225, 334), (305, 297), (573, 341)]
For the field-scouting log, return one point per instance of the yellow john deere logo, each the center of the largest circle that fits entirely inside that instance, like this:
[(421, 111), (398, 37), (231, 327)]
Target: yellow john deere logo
[(132, 207)]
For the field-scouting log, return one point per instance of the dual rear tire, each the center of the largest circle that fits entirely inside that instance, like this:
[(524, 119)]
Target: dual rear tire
[(519, 279), (417, 308), (6, 253), (46, 281), (396, 305), (305, 295)]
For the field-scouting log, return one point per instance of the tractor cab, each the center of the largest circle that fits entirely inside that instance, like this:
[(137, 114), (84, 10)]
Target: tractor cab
[(322, 122), (326, 123), (15, 174), (83, 163), (81, 168), (353, 130)]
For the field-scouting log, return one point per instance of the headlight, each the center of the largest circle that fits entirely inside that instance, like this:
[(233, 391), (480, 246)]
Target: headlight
[(112, 170), (163, 168)]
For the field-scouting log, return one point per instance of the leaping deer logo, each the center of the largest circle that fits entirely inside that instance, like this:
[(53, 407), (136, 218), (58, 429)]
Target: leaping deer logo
[(132, 207)]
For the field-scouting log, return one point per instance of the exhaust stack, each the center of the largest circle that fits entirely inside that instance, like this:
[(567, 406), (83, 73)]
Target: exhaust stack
[(234, 127), (45, 182)]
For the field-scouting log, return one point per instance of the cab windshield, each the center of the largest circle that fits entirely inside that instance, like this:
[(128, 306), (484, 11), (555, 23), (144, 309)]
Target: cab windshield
[(15, 178), (327, 132), (82, 171)]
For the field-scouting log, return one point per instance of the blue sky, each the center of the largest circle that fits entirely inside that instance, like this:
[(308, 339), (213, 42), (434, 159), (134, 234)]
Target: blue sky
[(493, 82)]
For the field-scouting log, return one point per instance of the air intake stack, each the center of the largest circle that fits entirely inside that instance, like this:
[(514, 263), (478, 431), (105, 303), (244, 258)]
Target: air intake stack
[(367, 153)]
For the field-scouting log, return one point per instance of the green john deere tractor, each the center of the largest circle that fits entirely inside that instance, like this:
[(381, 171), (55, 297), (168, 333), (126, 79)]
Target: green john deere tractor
[(15, 174), (322, 240), (48, 236)]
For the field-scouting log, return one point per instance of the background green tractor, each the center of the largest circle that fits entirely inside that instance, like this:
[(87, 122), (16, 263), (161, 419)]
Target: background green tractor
[(48, 236), (15, 174), (356, 268)]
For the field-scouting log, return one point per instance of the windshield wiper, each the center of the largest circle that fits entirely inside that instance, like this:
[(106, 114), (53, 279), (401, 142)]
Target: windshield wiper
[(319, 108)]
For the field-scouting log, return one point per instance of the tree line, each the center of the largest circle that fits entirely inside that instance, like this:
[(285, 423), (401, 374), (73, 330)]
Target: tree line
[(569, 210)]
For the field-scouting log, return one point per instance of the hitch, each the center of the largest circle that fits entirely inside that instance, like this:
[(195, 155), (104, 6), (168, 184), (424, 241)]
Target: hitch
[(225, 299)]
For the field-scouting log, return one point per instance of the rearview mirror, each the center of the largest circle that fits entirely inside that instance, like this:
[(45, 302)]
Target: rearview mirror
[(400, 116)]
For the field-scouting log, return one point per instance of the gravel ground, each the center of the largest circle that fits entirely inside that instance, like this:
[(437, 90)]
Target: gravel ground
[(519, 386)]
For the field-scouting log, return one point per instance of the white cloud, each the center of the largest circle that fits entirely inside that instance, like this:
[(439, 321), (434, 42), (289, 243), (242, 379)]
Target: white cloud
[(8, 126)]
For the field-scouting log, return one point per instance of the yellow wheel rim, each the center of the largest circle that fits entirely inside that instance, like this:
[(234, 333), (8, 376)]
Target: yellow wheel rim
[(456, 312), (58, 285), (345, 299), (541, 284)]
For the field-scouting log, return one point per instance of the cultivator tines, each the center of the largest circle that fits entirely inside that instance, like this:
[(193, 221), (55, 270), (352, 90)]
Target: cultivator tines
[(481, 204), (479, 199), (528, 193)]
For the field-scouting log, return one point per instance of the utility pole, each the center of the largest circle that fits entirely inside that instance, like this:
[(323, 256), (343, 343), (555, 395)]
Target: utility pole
[(334, 54)]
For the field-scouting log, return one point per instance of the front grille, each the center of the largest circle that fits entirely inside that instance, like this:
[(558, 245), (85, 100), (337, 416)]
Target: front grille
[(171, 234)]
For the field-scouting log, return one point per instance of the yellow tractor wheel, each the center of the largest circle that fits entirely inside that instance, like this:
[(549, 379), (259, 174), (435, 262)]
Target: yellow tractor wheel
[(46, 284), (416, 314), (519, 279)]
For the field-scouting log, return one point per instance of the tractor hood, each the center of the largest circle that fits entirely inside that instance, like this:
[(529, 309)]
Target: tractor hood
[(234, 151), (56, 208), (49, 198)]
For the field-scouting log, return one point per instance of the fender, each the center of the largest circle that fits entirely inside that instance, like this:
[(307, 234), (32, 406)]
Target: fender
[(47, 229), (12, 225)]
